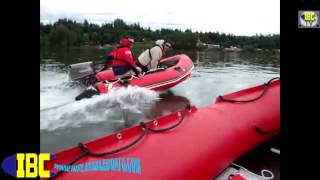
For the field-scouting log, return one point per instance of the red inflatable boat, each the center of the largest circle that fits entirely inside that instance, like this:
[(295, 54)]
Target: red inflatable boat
[(188, 144), (172, 71)]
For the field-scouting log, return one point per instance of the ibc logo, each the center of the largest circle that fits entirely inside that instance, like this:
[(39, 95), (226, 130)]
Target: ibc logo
[(27, 165), (308, 19)]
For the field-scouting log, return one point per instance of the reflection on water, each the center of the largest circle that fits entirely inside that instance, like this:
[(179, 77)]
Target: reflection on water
[(216, 73), (168, 103)]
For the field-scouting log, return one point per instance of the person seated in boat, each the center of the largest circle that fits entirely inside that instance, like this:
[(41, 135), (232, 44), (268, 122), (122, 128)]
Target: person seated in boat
[(123, 61), (107, 60), (149, 59)]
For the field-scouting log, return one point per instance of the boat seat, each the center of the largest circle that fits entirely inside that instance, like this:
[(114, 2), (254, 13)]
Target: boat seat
[(168, 63), (155, 70)]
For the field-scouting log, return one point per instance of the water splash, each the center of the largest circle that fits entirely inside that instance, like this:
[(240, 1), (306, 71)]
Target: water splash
[(99, 108), (55, 89)]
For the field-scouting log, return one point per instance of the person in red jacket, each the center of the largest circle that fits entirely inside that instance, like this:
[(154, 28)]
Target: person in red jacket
[(123, 60)]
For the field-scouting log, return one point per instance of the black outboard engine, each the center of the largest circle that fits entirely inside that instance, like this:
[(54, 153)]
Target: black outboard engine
[(83, 73)]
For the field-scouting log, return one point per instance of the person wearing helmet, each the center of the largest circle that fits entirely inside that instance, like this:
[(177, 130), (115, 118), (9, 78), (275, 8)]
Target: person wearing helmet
[(150, 58), (123, 60)]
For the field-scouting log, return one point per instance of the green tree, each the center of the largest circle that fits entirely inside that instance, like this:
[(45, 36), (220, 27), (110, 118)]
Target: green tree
[(65, 32)]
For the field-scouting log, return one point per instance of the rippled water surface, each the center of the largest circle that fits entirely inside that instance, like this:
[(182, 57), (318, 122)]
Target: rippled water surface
[(64, 122)]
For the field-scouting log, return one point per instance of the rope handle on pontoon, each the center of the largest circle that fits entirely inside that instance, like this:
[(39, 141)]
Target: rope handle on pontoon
[(265, 87), (145, 128), (181, 115), (263, 132)]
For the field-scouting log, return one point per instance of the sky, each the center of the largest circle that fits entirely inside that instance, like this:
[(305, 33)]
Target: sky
[(238, 17)]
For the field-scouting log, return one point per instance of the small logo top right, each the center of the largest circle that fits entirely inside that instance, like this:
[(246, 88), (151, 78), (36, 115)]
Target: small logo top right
[(308, 19)]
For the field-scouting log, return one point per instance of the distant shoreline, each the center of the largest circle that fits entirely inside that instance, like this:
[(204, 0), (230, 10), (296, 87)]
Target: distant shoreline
[(67, 33)]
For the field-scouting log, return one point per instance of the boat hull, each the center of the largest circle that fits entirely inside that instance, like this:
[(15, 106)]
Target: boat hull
[(158, 80), (206, 142)]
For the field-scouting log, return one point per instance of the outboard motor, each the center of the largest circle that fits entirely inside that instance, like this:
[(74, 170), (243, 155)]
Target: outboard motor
[(83, 73)]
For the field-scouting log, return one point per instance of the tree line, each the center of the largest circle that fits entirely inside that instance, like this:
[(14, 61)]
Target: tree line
[(67, 33)]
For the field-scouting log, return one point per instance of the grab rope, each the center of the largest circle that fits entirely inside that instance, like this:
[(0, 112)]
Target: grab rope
[(173, 126), (265, 88), (86, 151), (262, 132), (263, 172)]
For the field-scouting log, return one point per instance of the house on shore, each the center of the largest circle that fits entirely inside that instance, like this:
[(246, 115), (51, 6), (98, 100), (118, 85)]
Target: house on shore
[(232, 49)]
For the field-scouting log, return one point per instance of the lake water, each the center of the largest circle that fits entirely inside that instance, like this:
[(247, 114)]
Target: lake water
[(65, 123)]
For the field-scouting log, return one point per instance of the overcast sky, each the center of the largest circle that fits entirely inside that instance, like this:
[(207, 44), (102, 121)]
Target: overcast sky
[(239, 17)]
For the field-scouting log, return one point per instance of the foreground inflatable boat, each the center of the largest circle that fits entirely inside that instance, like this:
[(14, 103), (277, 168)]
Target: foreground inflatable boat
[(190, 143), (172, 71)]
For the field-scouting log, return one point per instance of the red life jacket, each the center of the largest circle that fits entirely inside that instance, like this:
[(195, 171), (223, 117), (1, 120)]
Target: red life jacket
[(109, 59), (123, 57)]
